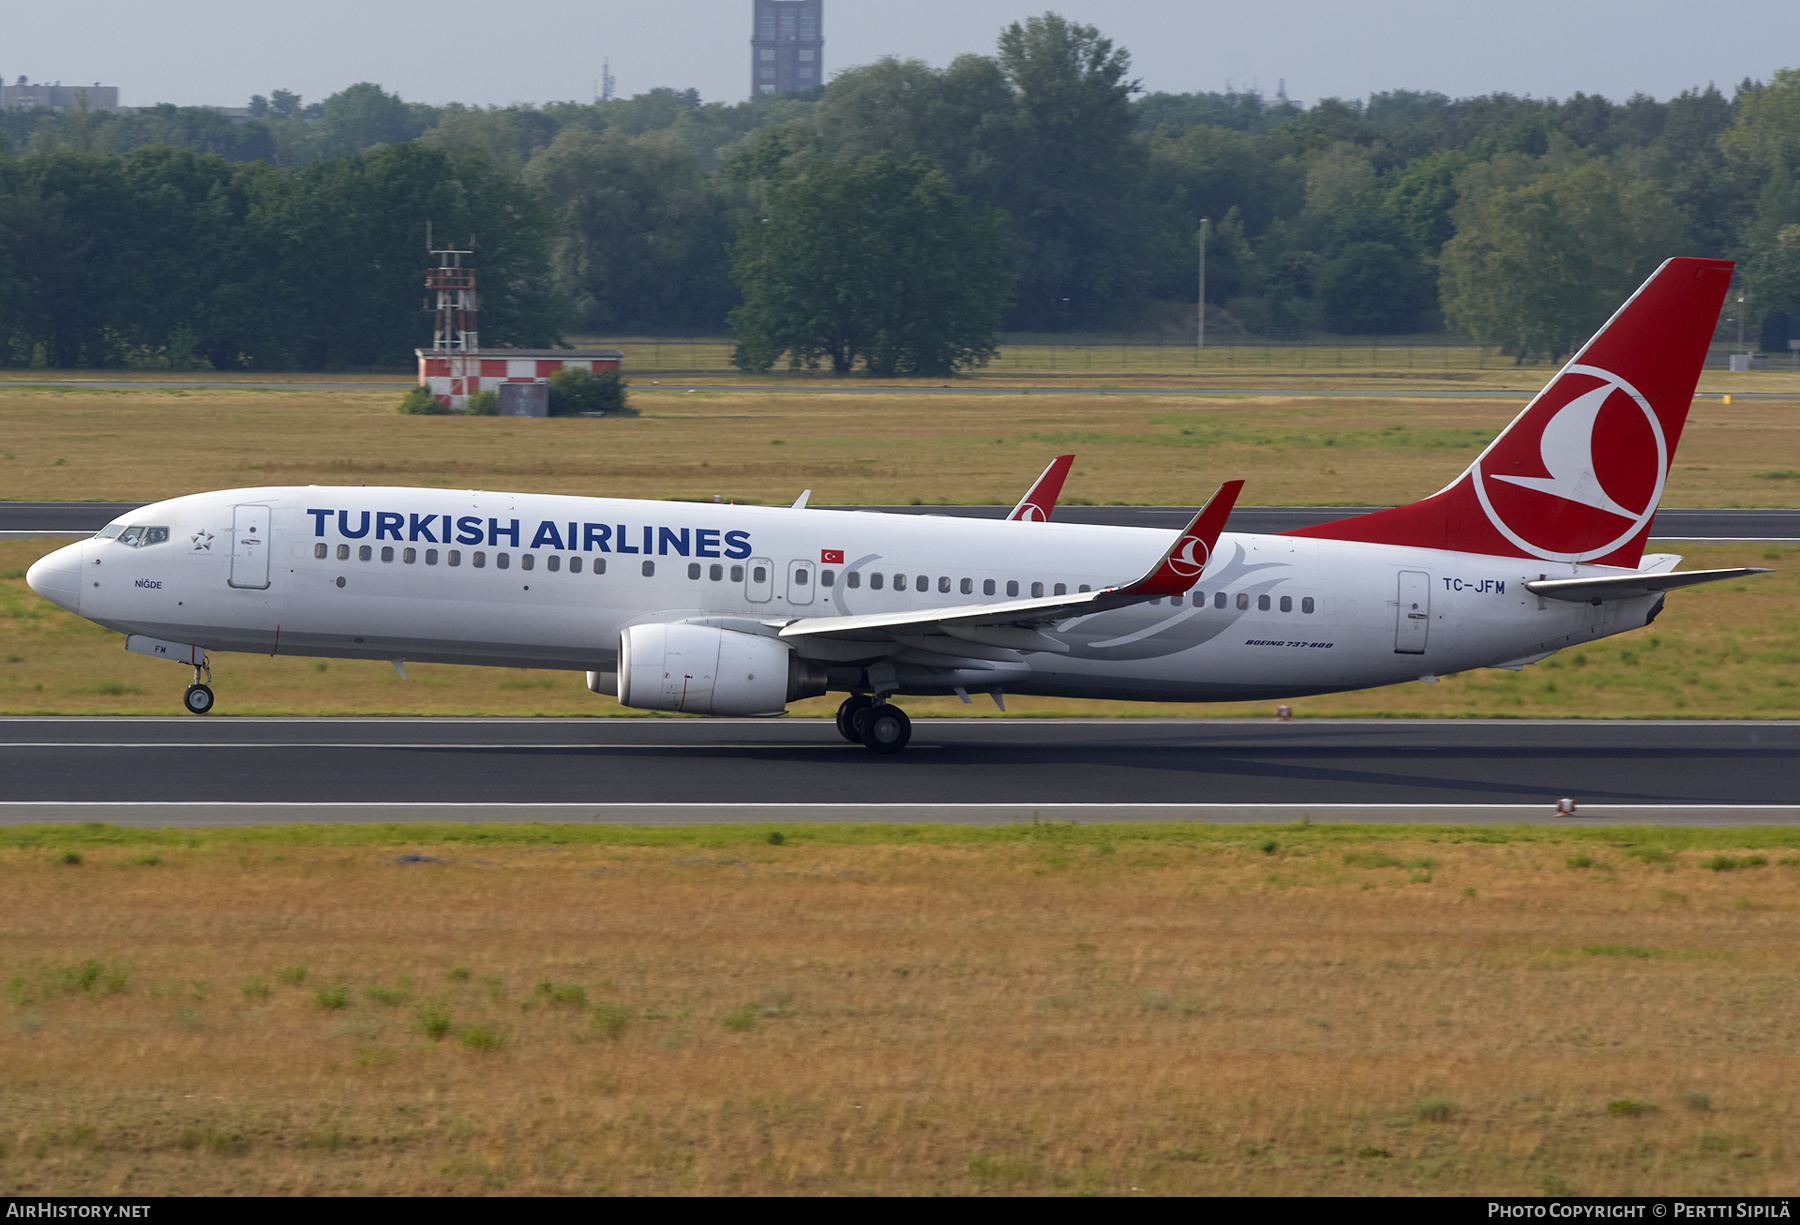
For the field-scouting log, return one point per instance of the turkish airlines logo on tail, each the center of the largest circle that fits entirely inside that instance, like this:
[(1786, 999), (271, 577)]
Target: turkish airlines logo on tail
[(1189, 557), (1031, 512), (1580, 472)]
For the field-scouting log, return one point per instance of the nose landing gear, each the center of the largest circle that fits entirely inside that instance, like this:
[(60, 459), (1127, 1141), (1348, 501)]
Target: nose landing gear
[(880, 726), (199, 697)]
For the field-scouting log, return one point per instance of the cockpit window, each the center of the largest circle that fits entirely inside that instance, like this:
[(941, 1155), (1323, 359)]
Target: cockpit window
[(138, 535), (109, 531)]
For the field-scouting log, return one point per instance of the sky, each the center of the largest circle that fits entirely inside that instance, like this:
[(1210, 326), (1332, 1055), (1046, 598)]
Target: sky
[(209, 52)]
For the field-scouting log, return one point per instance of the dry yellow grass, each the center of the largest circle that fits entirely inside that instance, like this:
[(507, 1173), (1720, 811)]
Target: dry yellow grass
[(1166, 1011), (1726, 651), (142, 444)]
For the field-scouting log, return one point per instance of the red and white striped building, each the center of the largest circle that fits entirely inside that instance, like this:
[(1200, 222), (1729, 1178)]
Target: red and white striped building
[(453, 376)]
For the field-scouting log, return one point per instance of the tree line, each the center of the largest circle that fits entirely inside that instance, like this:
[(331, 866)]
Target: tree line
[(1037, 188)]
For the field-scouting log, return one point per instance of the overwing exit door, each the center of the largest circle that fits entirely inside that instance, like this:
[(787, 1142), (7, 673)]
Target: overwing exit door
[(800, 582), (759, 580), (1412, 623), (250, 547)]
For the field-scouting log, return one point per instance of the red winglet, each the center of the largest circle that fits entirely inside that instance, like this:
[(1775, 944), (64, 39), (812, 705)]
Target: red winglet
[(1182, 566), (1040, 499)]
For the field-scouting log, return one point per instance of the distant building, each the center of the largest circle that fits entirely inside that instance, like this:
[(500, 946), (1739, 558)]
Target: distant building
[(787, 46), (59, 97)]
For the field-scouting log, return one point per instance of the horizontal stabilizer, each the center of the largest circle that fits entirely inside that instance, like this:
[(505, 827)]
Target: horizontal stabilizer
[(1628, 586)]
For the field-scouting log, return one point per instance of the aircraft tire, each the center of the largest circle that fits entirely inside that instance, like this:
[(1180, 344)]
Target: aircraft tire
[(886, 729), (846, 716), (198, 699)]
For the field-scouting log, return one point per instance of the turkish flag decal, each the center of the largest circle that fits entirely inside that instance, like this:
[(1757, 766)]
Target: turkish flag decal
[(831, 557)]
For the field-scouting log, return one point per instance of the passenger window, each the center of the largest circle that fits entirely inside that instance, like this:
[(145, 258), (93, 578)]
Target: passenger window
[(527, 560), (758, 574), (1306, 604), (319, 551), (553, 563), (478, 559), (599, 565), (737, 574), (1157, 602), (574, 565), (1218, 599), (944, 583), (799, 577), (715, 572), (827, 577), (1262, 603), (1243, 600), (1037, 590), (649, 569), (875, 581), (502, 561), (365, 553), (409, 556), (387, 552), (987, 586), (1060, 589), (1177, 601), (899, 582), (1084, 587), (967, 586), (343, 552), (1287, 603), (454, 557), (1199, 598), (694, 570), (431, 557), (853, 579), (1012, 586)]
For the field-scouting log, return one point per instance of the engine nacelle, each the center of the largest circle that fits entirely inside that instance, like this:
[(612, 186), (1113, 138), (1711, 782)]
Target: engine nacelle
[(706, 671)]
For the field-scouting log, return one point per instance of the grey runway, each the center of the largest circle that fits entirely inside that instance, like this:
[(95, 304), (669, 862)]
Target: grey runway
[(236, 771), (22, 520)]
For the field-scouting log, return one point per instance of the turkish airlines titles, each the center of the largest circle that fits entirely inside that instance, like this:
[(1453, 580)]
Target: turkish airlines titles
[(569, 537)]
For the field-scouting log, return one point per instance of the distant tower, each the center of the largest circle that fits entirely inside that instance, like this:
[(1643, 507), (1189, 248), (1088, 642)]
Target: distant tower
[(455, 335), (787, 45), (606, 81)]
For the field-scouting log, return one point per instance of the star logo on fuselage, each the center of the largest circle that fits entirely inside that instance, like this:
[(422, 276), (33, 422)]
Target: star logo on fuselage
[(202, 541)]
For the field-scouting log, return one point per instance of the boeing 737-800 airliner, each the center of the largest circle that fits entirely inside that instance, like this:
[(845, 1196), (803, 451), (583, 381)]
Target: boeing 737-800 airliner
[(739, 610)]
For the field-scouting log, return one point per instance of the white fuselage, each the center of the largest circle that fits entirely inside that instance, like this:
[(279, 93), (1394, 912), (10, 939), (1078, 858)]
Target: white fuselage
[(549, 581)]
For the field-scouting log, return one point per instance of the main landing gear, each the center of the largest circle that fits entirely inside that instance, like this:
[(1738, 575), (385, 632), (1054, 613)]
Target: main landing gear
[(199, 697), (880, 726)]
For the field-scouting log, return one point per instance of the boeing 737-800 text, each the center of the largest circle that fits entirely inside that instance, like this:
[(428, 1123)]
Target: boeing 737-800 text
[(739, 610)]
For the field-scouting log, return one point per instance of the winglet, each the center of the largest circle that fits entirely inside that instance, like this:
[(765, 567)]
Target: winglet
[(1040, 499), (1181, 567)]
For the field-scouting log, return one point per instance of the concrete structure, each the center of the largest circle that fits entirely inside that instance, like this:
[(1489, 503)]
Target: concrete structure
[(59, 97), (787, 46)]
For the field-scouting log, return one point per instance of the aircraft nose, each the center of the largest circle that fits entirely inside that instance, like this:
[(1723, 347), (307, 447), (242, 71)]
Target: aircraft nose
[(57, 577)]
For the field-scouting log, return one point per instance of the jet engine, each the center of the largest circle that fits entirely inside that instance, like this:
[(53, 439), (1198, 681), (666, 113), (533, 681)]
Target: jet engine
[(707, 671)]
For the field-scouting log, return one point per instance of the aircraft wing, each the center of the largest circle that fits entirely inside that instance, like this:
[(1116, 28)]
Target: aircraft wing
[(996, 631), (1040, 499), (1626, 586)]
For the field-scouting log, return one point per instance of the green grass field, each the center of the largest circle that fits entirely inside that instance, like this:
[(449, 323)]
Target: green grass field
[(1035, 1009)]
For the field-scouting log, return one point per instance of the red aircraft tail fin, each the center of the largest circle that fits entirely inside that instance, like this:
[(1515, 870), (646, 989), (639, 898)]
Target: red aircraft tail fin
[(1576, 477)]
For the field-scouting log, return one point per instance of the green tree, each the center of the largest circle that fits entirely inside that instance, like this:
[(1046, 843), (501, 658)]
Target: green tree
[(874, 261), (1371, 287), (641, 236), (1534, 269)]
